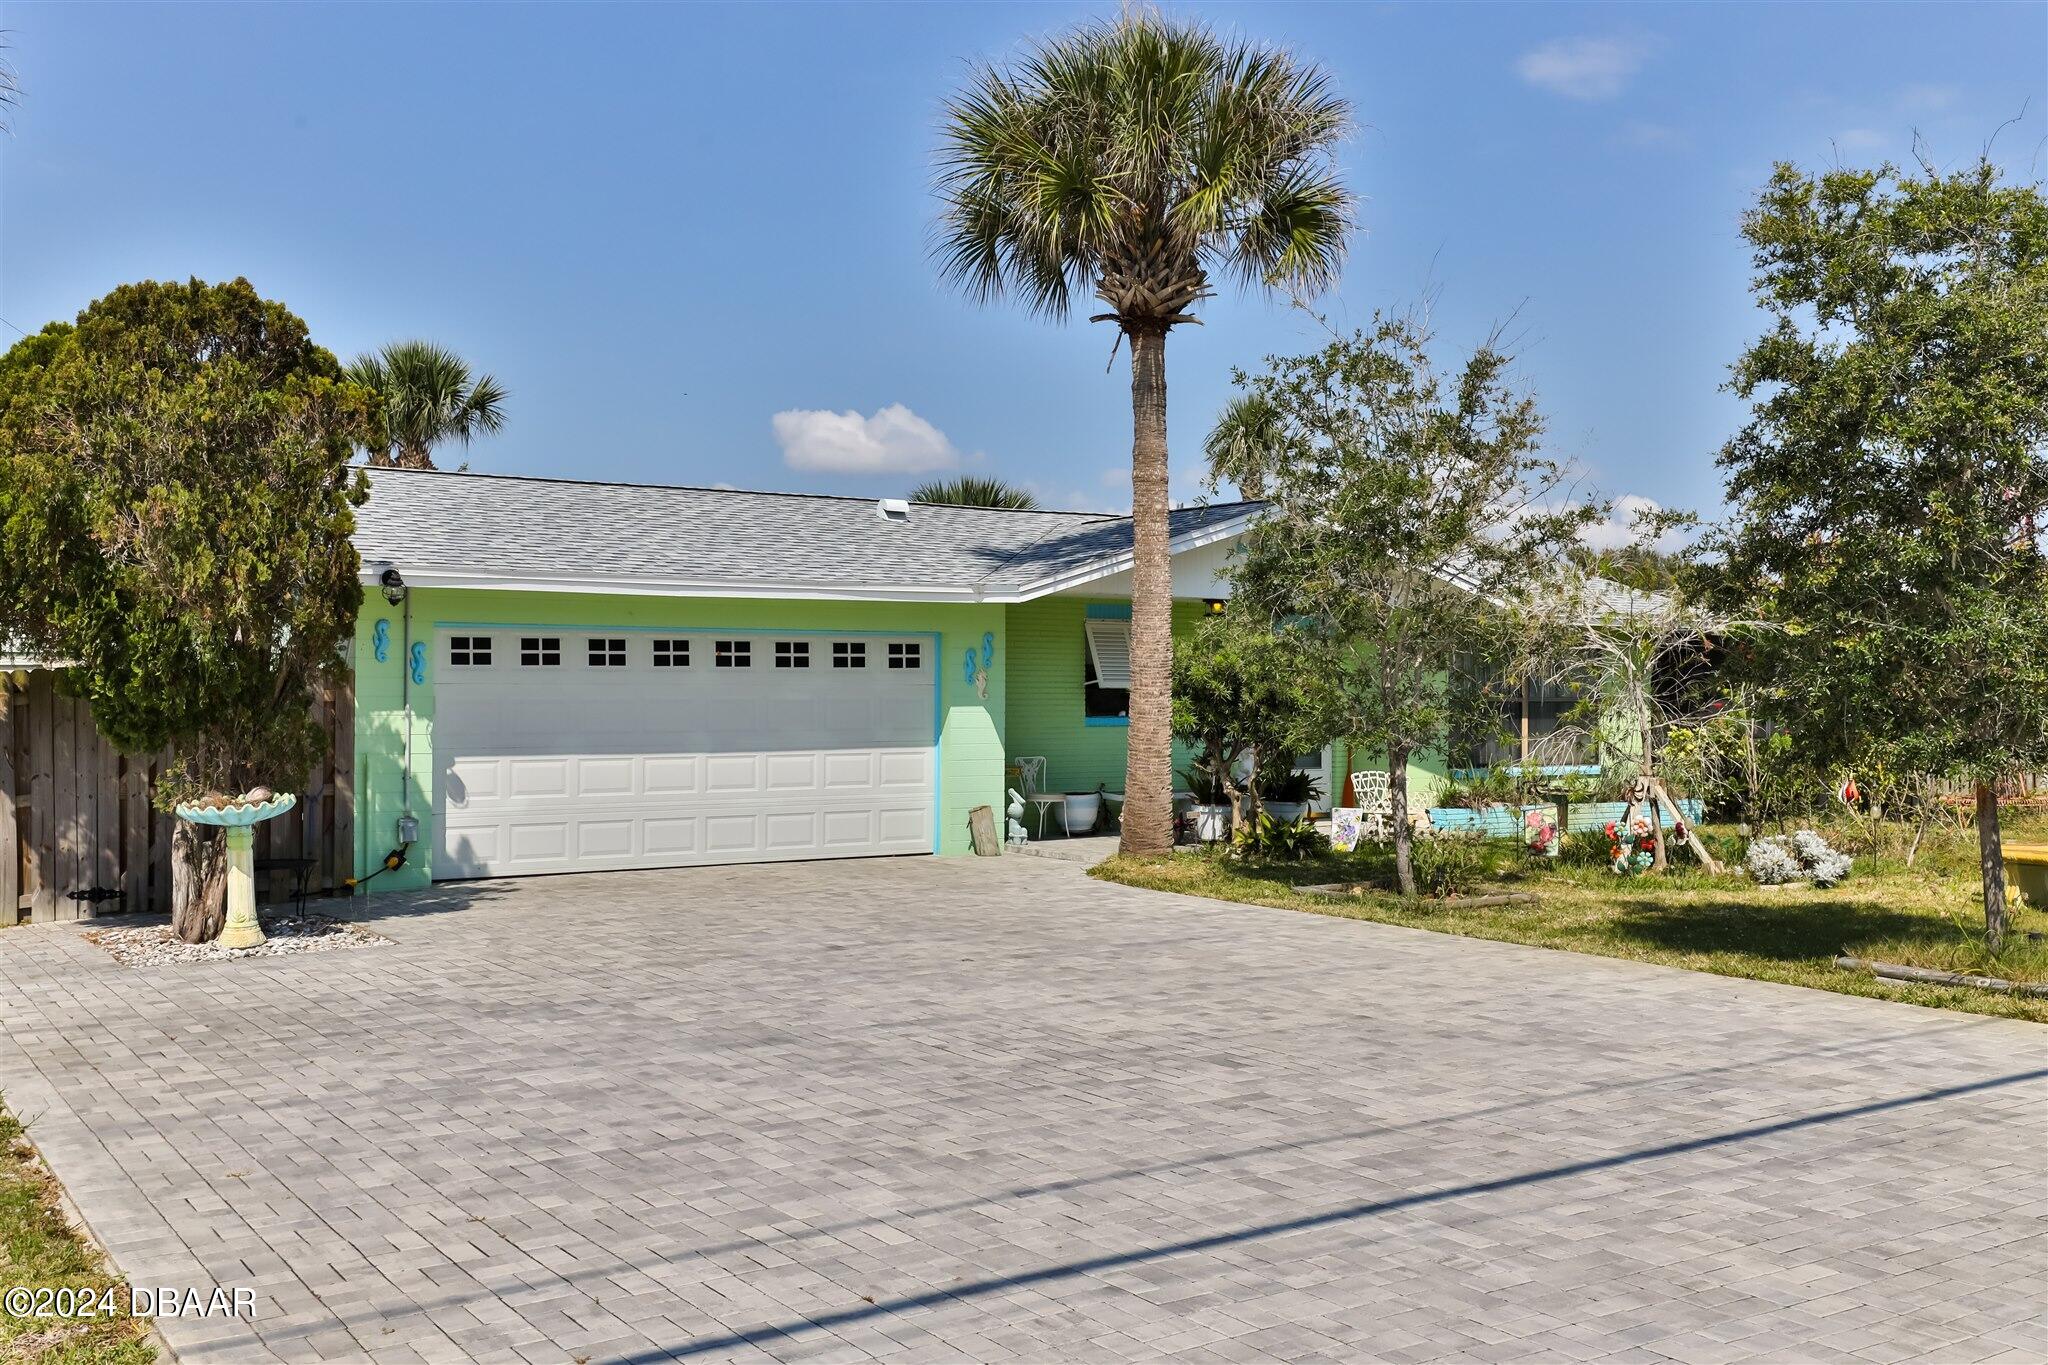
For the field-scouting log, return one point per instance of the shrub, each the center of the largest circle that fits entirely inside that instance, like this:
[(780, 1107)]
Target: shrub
[(1288, 784), (1586, 849), (1801, 857), (1448, 863), (1282, 841)]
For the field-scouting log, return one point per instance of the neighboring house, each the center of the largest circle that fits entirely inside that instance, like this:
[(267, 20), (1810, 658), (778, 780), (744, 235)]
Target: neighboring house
[(584, 676)]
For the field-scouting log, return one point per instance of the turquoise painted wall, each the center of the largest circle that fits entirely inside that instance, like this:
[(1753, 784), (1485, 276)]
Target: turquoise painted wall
[(971, 729), (1047, 717)]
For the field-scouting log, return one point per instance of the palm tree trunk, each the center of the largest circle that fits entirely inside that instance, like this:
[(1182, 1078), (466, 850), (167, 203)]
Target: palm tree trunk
[(1991, 862), (1148, 772)]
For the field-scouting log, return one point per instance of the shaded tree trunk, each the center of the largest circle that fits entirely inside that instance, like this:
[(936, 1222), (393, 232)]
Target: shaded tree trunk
[(1991, 861), (199, 882), (1148, 772), (1404, 836), (414, 457)]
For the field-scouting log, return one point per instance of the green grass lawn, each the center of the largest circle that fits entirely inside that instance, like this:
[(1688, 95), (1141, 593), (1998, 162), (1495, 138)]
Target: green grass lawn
[(1927, 915), (38, 1249)]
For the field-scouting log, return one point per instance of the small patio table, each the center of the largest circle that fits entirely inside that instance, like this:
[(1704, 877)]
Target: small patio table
[(1044, 799)]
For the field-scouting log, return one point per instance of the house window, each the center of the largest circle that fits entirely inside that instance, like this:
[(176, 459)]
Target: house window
[(540, 651), (849, 654), (671, 653), (792, 654), (1106, 669), (905, 654), (469, 651), (608, 653), (733, 654)]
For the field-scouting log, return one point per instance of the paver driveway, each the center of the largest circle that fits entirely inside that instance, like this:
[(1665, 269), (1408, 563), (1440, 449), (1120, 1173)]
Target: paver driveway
[(994, 1110)]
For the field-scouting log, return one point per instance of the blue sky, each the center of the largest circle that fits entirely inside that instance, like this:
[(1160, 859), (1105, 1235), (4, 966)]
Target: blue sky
[(661, 226)]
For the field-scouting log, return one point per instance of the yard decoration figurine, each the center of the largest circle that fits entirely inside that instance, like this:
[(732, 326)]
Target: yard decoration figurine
[(238, 820), (1543, 837), (1015, 812), (1634, 852)]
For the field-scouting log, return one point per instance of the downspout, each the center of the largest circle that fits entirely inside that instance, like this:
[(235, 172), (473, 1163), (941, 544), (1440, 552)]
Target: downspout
[(408, 822)]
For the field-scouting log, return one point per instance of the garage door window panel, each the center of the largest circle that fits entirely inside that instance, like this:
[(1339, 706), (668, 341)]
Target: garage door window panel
[(469, 651)]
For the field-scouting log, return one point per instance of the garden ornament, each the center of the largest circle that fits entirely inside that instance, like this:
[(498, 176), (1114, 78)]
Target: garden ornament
[(237, 820)]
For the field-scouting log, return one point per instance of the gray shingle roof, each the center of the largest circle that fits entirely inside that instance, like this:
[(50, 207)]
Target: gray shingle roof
[(437, 524)]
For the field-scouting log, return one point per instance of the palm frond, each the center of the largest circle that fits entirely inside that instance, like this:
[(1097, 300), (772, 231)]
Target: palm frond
[(970, 490), (1130, 158), (430, 396)]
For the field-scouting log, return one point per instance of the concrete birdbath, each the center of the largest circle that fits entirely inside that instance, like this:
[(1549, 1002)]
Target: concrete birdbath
[(238, 820)]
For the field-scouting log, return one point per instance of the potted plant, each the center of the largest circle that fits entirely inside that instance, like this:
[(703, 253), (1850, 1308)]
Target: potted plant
[(1286, 795), (1210, 814), (1083, 809)]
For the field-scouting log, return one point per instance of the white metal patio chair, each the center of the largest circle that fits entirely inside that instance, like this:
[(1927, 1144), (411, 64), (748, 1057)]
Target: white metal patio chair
[(1031, 776), (1375, 805)]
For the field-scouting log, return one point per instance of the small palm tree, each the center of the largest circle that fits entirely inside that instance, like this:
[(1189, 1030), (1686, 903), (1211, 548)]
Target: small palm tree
[(971, 491), (429, 397), (1130, 159)]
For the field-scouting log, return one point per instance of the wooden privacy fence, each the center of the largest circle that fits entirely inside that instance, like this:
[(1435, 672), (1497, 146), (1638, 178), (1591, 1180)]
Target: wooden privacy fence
[(78, 833)]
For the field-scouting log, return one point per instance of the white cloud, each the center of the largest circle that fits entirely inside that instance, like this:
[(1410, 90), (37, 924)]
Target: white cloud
[(893, 441), (1620, 529), (1583, 68)]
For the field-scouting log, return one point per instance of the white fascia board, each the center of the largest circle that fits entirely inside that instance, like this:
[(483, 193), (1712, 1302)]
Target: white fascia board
[(659, 587), (1118, 563)]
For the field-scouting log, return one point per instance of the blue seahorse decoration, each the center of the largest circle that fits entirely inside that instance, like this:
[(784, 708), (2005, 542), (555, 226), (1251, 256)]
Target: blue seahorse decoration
[(380, 641), (977, 668), (419, 663)]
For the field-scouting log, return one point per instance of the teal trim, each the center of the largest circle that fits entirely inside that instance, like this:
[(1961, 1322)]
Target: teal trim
[(1109, 611), (1124, 721)]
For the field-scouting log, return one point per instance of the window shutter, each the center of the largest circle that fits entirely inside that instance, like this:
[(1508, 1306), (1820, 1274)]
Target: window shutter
[(1109, 646)]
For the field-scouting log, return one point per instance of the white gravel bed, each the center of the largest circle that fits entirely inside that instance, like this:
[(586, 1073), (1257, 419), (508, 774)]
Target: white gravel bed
[(154, 945)]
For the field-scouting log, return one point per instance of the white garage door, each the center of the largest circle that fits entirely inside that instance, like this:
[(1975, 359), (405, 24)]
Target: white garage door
[(577, 751)]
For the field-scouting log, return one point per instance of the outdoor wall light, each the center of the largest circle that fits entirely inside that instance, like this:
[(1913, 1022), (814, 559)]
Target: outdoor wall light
[(394, 585)]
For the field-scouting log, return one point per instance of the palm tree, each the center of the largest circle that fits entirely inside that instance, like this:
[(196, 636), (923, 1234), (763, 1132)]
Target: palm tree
[(1131, 159), (971, 491), (1249, 422), (429, 397)]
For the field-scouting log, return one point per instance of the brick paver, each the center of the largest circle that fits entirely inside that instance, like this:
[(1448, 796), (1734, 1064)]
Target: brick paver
[(932, 1111)]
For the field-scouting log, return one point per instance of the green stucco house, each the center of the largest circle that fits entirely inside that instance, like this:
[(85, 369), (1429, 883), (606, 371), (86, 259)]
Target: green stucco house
[(564, 676)]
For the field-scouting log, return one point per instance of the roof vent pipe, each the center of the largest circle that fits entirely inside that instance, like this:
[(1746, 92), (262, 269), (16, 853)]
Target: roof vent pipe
[(893, 509)]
